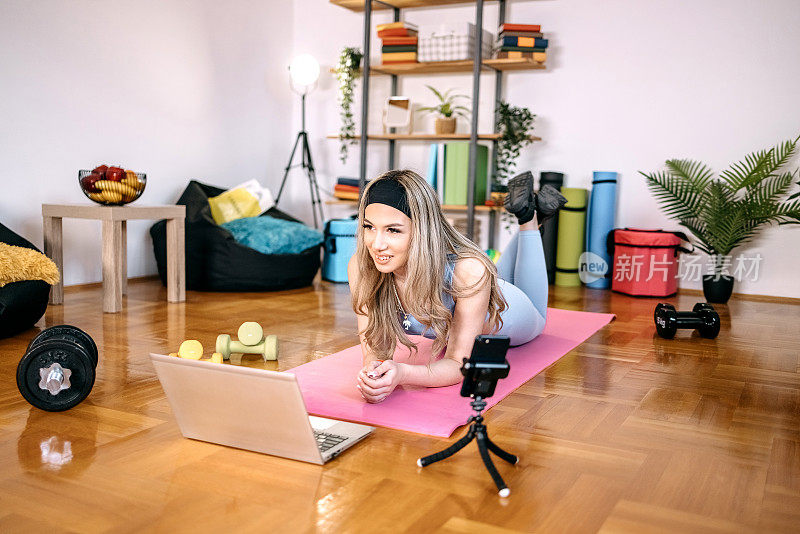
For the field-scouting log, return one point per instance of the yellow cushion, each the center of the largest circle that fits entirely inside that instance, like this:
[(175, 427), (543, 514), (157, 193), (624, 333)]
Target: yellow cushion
[(19, 263)]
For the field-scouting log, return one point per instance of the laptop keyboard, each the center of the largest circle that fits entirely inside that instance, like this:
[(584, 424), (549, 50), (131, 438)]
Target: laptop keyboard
[(325, 441)]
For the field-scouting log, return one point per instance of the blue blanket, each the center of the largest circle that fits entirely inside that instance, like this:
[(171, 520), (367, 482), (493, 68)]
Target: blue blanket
[(269, 235)]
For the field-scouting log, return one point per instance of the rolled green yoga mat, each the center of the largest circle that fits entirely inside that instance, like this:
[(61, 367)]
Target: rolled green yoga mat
[(571, 234)]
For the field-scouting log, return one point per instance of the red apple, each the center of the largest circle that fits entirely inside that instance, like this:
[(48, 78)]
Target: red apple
[(88, 181), (101, 170), (115, 174)]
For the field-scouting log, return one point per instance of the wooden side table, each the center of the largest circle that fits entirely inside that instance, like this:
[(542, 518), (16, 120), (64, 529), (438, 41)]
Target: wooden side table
[(115, 244)]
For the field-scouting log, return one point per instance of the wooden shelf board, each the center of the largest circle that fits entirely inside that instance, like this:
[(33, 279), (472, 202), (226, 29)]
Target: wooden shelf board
[(445, 207), (464, 65), (430, 137), (358, 5), (524, 63), (423, 137), (427, 67)]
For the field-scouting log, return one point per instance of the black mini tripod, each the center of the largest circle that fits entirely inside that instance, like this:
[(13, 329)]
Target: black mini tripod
[(477, 431)]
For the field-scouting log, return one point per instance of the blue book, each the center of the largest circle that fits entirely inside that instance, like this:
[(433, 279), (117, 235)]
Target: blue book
[(344, 180), (431, 177), (524, 42)]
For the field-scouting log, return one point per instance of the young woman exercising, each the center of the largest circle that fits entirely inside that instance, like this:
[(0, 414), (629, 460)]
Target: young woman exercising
[(412, 273)]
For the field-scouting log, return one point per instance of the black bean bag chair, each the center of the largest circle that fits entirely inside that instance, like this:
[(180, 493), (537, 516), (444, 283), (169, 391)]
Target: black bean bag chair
[(216, 262), (21, 303)]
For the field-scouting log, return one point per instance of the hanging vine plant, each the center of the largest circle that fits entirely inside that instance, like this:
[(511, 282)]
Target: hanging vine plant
[(515, 126), (347, 72)]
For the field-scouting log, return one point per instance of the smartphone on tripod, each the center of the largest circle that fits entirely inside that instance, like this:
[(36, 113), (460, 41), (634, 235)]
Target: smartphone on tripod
[(485, 366)]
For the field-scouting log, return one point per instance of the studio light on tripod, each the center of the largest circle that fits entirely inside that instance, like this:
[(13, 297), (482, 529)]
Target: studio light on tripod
[(303, 74)]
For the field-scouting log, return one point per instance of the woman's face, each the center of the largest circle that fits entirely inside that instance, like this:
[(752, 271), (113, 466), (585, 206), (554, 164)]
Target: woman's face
[(387, 236)]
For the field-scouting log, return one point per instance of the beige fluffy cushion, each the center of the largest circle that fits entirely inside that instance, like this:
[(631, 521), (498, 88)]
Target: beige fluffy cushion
[(19, 263)]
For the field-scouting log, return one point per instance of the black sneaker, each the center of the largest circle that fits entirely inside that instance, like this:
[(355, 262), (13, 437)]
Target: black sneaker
[(548, 201), (520, 200)]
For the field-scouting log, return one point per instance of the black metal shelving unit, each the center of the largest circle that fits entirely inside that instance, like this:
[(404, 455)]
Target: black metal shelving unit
[(478, 66)]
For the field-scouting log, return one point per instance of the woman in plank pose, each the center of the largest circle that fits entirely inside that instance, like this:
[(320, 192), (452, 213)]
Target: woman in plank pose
[(413, 273)]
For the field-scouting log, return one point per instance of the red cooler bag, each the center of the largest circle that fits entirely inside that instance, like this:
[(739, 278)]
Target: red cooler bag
[(645, 261)]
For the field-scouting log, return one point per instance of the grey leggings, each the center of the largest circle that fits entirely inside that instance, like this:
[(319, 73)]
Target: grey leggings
[(523, 282)]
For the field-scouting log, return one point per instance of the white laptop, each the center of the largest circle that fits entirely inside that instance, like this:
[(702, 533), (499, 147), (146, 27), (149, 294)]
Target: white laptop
[(251, 409)]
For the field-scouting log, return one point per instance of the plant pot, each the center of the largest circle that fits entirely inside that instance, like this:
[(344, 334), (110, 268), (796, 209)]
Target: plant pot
[(717, 289), (445, 125)]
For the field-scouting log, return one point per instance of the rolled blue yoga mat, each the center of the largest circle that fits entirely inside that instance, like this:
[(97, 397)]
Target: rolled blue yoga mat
[(595, 271), (549, 229)]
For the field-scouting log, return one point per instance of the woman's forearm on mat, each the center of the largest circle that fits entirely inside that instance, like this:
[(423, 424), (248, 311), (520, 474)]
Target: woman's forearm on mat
[(444, 372)]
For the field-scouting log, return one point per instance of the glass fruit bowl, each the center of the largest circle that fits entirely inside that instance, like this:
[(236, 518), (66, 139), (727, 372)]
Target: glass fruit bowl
[(111, 186)]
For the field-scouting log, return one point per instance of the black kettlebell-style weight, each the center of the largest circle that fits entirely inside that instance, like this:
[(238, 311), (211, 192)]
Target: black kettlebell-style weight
[(57, 371), (703, 318)]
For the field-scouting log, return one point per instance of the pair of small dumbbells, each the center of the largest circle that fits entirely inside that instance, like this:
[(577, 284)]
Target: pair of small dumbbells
[(57, 371), (703, 318), (251, 341)]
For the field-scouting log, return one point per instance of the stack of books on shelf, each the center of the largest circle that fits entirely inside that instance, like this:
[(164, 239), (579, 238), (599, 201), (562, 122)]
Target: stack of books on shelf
[(516, 41), (399, 43), (346, 188)]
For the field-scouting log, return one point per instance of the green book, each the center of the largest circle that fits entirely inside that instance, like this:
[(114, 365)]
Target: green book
[(456, 173), (390, 49)]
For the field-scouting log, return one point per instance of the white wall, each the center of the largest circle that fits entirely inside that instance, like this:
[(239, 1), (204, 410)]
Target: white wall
[(198, 89), (629, 84), (176, 89)]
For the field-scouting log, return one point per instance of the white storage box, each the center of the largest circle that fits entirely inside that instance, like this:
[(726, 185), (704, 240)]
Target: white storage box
[(451, 42)]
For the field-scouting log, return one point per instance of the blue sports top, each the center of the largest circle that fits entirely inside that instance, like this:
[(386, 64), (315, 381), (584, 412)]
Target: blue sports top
[(418, 328)]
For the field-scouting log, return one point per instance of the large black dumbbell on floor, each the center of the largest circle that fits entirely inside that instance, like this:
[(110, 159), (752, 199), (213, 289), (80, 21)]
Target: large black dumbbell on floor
[(703, 318), (57, 371)]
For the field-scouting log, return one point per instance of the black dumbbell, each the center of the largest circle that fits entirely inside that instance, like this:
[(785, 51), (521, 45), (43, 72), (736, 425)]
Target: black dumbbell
[(703, 317), (57, 371)]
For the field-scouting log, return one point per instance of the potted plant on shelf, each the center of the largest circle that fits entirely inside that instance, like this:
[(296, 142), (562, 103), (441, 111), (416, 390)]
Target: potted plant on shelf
[(347, 72), (726, 212), (447, 108)]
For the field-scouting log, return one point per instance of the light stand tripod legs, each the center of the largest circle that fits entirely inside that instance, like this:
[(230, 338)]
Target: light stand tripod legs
[(316, 201), (308, 167), (288, 167)]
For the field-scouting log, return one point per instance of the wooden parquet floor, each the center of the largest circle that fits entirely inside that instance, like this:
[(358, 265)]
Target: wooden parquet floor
[(626, 433)]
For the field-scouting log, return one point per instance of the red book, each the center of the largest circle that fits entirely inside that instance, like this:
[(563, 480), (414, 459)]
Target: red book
[(395, 41), (345, 188), (397, 32), (520, 28)]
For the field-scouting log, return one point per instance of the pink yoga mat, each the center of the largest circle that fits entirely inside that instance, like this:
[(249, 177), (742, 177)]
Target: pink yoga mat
[(329, 384)]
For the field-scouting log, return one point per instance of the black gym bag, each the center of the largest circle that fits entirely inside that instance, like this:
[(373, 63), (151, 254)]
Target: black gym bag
[(21, 303), (215, 261)]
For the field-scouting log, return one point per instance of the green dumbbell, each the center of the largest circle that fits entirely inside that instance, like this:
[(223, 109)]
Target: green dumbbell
[(251, 341)]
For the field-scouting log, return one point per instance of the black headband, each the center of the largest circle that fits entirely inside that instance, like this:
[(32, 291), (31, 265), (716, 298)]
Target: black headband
[(390, 192)]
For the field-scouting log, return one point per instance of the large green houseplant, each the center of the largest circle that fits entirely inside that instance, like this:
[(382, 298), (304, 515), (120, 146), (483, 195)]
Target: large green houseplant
[(725, 212)]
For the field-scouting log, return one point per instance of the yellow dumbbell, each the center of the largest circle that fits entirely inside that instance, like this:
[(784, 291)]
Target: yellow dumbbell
[(191, 349), (251, 341)]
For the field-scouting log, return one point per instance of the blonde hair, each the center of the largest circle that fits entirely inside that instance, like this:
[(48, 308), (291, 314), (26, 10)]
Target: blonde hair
[(432, 239)]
